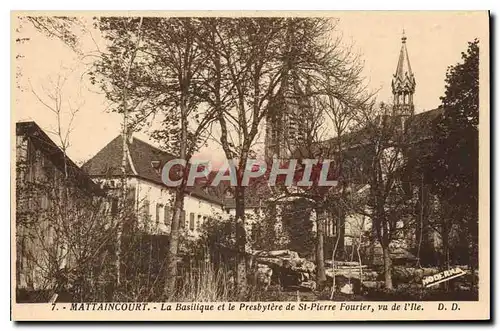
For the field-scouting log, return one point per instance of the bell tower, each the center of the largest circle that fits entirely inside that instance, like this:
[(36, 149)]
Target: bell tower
[(403, 83), (286, 121)]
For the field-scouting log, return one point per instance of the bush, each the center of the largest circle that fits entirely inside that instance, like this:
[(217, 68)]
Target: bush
[(205, 283)]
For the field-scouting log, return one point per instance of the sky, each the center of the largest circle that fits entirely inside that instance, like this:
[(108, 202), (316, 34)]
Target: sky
[(435, 40)]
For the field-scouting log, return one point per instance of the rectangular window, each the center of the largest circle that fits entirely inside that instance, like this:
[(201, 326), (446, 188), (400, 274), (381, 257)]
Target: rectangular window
[(198, 224), (191, 221), (183, 220), (114, 207), (253, 232), (44, 204), (167, 216), (158, 210), (145, 209)]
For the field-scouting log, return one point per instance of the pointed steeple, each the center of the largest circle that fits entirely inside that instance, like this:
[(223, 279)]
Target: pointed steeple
[(403, 82)]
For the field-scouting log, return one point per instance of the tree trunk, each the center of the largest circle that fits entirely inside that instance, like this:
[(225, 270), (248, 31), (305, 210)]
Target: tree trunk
[(125, 133), (472, 238), (387, 267), (334, 284), (446, 252), (320, 257), (473, 258), (241, 272), (341, 234), (121, 216), (171, 271), (420, 225), (425, 249)]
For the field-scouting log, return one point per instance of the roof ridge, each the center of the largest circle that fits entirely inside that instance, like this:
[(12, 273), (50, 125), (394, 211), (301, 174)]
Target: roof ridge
[(100, 150), (153, 146), (56, 154)]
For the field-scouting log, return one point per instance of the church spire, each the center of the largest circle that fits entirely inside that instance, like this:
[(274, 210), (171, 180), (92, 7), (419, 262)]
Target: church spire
[(403, 82)]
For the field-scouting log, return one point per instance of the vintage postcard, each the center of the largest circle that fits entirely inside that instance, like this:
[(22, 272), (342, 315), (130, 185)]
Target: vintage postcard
[(250, 166)]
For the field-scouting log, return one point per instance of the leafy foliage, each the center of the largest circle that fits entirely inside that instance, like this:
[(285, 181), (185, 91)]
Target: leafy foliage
[(452, 166), (455, 157), (297, 224)]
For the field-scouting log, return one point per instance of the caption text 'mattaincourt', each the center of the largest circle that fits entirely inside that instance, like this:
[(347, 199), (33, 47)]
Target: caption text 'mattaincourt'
[(252, 306)]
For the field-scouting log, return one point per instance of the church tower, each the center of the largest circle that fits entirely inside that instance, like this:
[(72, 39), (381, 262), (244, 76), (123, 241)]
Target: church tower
[(403, 83), (287, 120)]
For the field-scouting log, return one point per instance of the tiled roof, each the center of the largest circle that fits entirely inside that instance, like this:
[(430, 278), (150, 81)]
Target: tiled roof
[(419, 126), (43, 143), (107, 162)]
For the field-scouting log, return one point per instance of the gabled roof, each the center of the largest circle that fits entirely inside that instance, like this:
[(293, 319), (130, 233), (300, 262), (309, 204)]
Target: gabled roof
[(420, 125), (355, 144), (49, 148), (107, 163)]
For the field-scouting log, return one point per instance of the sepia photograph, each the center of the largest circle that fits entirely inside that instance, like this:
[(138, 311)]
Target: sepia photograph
[(241, 166)]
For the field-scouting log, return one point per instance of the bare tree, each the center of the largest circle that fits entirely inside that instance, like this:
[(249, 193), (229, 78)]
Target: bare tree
[(64, 28), (164, 84), (331, 90), (62, 223), (65, 244), (129, 62), (384, 141), (250, 68), (178, 62), (63, 109)]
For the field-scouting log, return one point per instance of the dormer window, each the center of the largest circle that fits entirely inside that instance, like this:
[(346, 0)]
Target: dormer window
[(156, 165)]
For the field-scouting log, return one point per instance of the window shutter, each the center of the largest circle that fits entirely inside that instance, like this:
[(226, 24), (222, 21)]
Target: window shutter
[(158, 209), (145, 208), (167, 216), (114, 207), (191, 221), (183, 219)]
